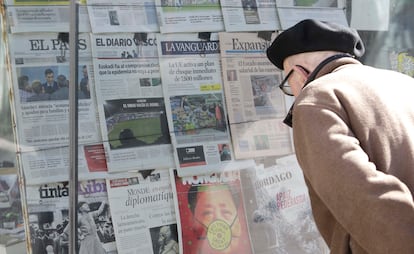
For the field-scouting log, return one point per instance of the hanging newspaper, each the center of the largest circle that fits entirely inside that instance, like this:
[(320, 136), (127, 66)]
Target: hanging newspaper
[(180, 16), (290, 12), (48, 218), (130, 102), (122, 16), (43, 16), (194, 98), (255, 104), (278, 210), (143, 213), (52, 164), (250, 15), (11, 219), (40, 70), (211, 216)]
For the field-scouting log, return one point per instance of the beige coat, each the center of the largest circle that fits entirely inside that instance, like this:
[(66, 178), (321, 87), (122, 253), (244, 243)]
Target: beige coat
[(353, 130)]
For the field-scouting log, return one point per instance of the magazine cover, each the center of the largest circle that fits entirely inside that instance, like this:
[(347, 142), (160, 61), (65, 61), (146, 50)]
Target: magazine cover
[(210, 214), (48, 218), (278, 210), (143, 213)]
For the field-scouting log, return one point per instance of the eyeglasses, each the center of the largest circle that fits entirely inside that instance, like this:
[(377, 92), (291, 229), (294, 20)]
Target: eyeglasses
[(286, 88)]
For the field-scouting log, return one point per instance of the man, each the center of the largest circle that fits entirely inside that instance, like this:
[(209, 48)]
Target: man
[(50, 85), (166, 242), (38, 94), (352, 127)]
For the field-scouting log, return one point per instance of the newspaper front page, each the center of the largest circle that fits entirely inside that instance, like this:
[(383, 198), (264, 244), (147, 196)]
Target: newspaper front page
[(278, 210), (291, 12), (40, 70), (194, 98), (210, 213), (181, 16), (143, 213), (122, 16), (43, 16), (250, 15), (130, 102), (48, 218), (256, 106)]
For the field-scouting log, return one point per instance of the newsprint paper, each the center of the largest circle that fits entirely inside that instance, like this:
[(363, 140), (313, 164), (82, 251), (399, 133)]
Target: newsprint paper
[(130, 102), (143, 213), (210, 214), (181, 16), (122, 16), (48, 218), (41, 107), (194, 99), (291, 11), (250, 15), (278, 210), (43, 16), (256, 106)]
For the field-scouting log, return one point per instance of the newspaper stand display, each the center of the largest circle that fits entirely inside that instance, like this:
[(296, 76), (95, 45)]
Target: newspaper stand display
[(121, 109)]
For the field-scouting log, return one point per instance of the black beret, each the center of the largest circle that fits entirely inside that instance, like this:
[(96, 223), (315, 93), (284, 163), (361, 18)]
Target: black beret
[(311, 35)]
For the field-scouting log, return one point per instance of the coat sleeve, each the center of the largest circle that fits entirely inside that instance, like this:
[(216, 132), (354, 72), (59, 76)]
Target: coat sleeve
[(375, 208)]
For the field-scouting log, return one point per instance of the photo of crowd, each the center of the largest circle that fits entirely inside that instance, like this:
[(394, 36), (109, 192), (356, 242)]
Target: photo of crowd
[(193, 114), (53, 85)]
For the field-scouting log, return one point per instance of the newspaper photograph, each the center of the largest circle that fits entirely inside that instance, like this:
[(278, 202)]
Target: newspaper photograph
[(210, 213), (250, 15), (11, 214), (143, 213), (44, 16), (278, 210), (122, 16), (292, 11), (194, 99), (130, 102), (256, 106), (181, 16), (48, 218)]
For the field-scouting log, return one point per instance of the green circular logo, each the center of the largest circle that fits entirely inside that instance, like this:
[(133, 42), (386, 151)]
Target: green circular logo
[(219, 235)]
